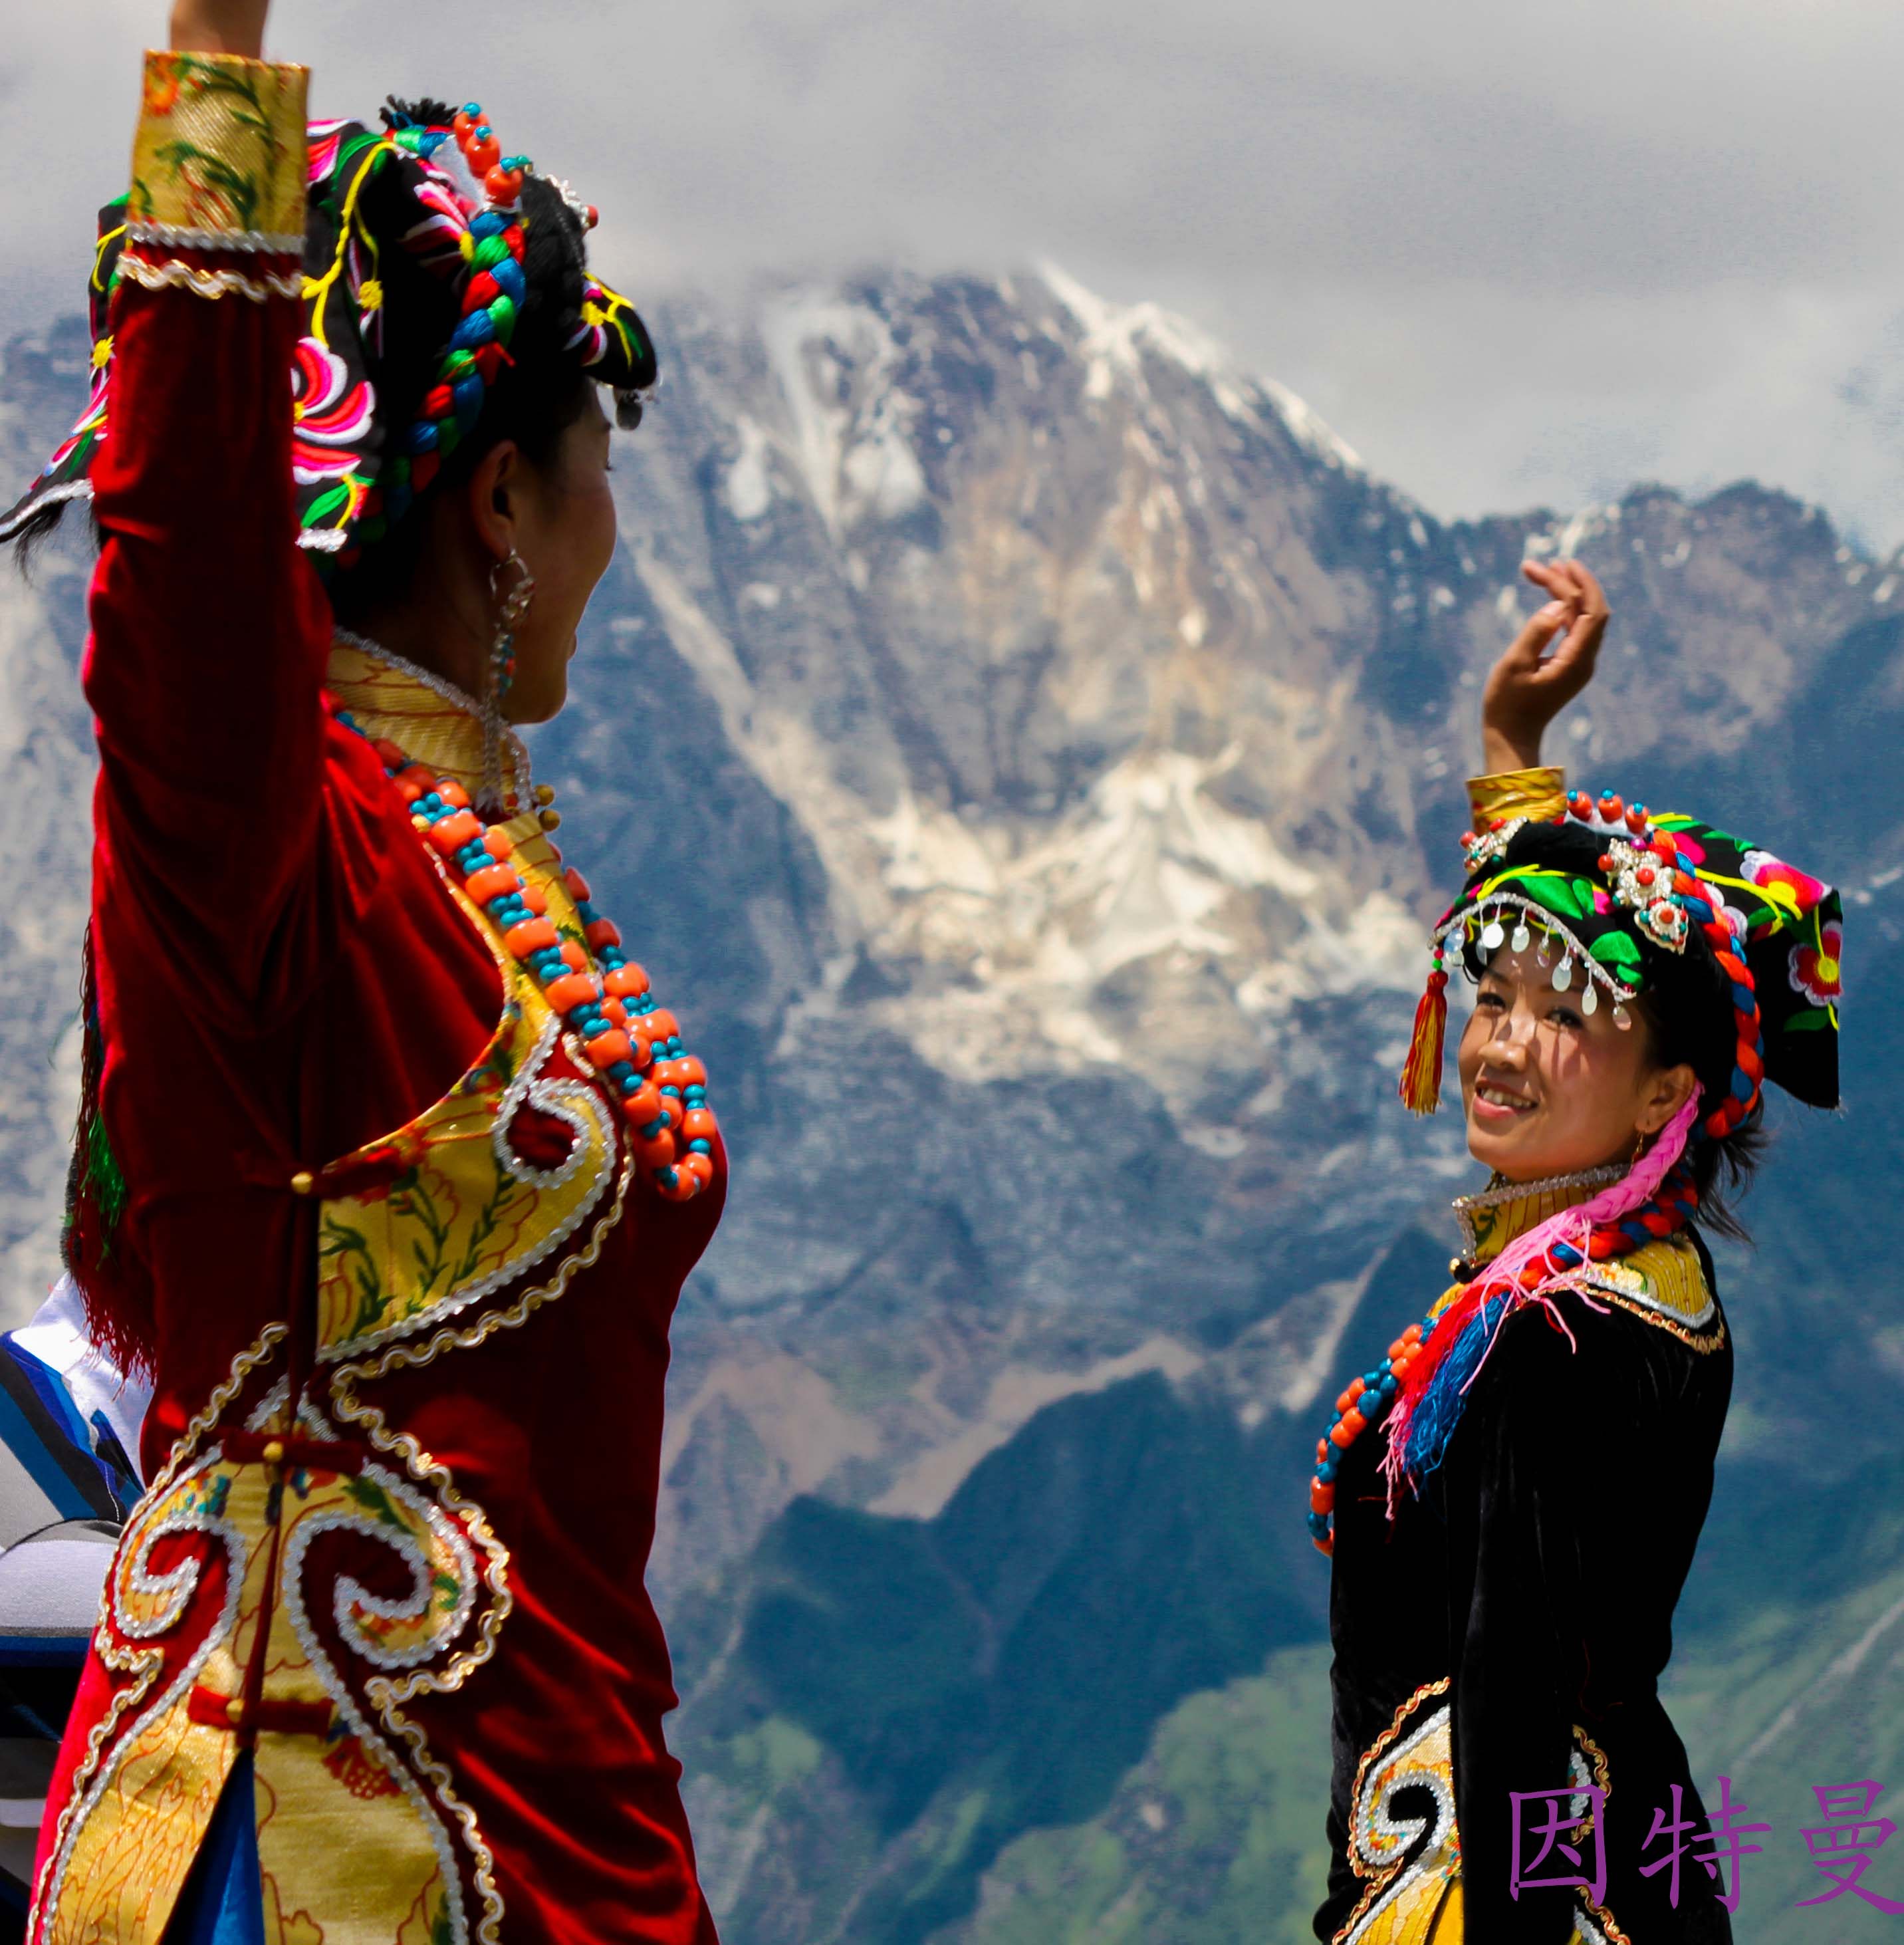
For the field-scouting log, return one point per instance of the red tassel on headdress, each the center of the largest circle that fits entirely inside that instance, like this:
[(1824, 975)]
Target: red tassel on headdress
[(1421, 1075)]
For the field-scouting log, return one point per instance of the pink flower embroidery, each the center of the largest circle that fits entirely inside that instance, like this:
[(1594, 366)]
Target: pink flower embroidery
[(1816, 973), (1784, 884), (333, 414)]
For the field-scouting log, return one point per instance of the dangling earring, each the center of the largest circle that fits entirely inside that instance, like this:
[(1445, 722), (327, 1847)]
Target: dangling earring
[(1640, 1141), (500, 676)]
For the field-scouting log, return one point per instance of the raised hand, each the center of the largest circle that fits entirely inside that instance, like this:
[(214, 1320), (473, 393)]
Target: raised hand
[(1528, 687), (219, 26)]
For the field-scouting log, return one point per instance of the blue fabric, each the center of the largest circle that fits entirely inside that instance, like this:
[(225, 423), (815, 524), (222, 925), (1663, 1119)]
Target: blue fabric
[(223, 1903)]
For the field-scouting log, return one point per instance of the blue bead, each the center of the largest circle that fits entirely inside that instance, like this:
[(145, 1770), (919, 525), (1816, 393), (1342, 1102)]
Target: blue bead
[(623, 1071), (474, 109), (646, 1003), (695, 1097), (586, 912), (667, 1177), (1327, 1470), (655, 1127), (675, 1092), (1319, 1525), (1388, 1384), (612, 956), (1371, 1379), (700, 1147)]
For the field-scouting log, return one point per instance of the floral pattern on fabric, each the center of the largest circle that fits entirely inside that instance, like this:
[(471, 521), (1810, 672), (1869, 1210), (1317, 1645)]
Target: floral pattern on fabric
[(220, 150), (1817, 972), (333, 413)]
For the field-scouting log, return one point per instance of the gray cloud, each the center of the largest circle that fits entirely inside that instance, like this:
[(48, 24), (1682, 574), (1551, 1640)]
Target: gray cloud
[(1514, 253)]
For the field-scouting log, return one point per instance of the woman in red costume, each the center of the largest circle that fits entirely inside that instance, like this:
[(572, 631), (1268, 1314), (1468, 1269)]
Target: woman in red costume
[(391, 1166)]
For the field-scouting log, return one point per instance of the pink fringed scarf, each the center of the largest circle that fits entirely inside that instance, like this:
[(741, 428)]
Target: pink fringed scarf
[(1551, 1256)]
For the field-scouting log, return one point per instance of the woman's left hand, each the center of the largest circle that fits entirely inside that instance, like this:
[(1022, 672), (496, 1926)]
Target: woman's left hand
[(1527, 688)]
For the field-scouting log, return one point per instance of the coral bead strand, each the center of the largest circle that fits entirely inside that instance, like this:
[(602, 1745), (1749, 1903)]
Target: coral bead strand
[(601, 995)]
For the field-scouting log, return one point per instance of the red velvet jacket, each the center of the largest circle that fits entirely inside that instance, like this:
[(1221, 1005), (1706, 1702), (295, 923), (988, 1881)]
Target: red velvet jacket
[(457, 1713)]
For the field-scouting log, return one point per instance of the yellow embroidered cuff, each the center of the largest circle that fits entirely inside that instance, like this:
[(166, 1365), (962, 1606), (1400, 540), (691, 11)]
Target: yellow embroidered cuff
[(1539, 794), (218, 162)]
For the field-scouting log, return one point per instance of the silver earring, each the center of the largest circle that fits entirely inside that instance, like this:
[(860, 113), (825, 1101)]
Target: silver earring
[(511, 603)]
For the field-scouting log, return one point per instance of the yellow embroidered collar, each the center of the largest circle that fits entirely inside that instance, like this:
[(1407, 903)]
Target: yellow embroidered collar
[(429, 718), (1505, 1211)]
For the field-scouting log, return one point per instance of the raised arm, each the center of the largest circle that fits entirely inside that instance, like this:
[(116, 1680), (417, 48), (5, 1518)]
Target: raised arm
[(1548, 665), (210, 631)]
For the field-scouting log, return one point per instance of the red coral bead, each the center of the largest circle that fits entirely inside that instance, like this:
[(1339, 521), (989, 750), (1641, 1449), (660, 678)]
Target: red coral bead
[(605, 1048), (462, 126), (700, 1166), (684, 1187), (449, 834), (535, 897), (1322, 1498), (577, 885), (529, 934), (661, 1024), (627, 982), (497, 842), (601, 932), (504, 185), (615, 1010), (642, 1104), (699, 1125), (484, 154), (692, 1074), (656, 1150), (388, 754), (570, 990), (491, 881), (1340, 1436), (1355, 1424), (573, 955)]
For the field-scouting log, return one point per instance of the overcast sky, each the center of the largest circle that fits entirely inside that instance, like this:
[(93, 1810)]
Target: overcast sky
[(1514, 252)]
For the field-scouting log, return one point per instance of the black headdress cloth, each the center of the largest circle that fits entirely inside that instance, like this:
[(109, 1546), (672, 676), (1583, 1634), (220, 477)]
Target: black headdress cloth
[(396, 222)]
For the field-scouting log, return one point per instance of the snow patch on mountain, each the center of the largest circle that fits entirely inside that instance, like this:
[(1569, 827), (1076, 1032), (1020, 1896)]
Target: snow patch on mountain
[(851, 425)]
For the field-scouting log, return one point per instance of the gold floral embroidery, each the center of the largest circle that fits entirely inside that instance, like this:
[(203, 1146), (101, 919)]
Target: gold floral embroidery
[(220, 149)]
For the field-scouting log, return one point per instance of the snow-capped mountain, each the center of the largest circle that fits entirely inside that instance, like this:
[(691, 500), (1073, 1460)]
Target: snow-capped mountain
[(1029, 746)]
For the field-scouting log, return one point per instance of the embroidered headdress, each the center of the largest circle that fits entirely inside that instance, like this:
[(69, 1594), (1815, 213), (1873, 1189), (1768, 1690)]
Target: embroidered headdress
[(425, 221), (1618, 902)]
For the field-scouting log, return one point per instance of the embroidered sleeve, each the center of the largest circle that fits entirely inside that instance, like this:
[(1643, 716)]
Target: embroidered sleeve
[(209, 628), (218, 168), (1539, 794)]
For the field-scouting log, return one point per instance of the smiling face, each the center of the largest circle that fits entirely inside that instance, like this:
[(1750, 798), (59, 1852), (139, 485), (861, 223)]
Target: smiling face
[(1550, 1090)]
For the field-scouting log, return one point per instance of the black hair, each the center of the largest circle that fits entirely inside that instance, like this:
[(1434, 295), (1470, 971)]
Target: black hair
[(538, 393)]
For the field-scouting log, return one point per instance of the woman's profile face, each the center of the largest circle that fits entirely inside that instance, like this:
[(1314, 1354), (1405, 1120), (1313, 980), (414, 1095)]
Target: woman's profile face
[(567, 538), (1550, 1088)]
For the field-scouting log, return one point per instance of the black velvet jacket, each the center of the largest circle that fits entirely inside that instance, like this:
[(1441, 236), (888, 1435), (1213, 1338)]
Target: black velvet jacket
[(1507, 1631)]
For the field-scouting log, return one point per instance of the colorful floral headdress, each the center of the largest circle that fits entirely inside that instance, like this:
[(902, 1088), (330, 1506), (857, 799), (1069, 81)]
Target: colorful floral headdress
[(430, 193), (1606, 894)]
